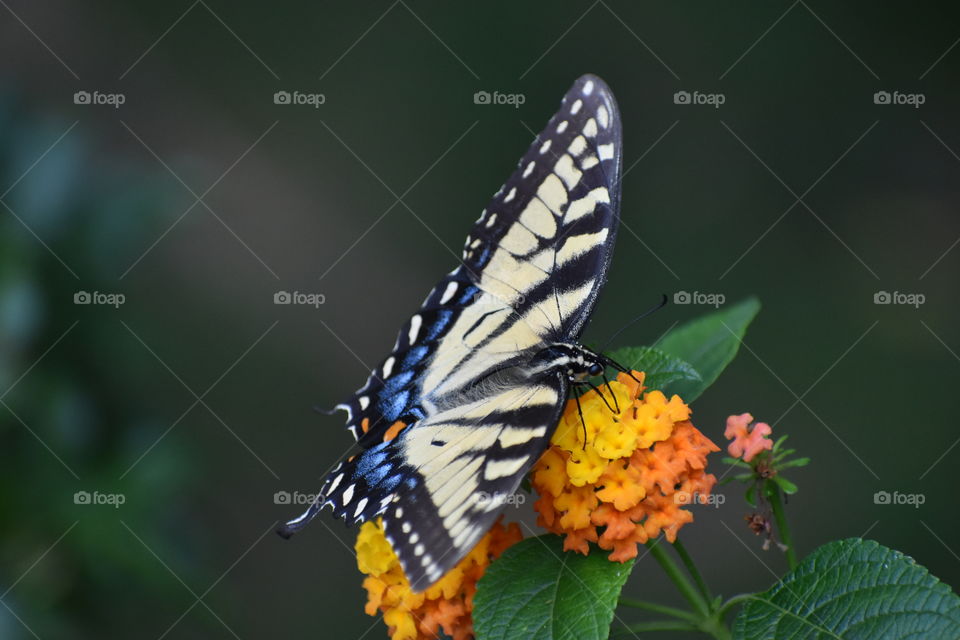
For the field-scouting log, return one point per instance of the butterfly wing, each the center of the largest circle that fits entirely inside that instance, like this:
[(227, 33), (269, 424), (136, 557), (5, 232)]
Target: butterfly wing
[(441, 484), (533, 265), (532, 268)]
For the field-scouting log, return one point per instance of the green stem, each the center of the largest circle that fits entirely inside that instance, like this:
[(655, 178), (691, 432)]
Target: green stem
[(660, 608), (781, 517), (657, 625), (686, 589), (734, 601), (692, 570)]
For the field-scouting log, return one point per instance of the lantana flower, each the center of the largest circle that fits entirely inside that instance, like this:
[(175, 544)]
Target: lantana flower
[(747, 442), (623, 473), (444, 607)]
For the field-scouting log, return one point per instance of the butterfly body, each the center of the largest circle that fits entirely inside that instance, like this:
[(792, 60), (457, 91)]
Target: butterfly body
[(480, 374)]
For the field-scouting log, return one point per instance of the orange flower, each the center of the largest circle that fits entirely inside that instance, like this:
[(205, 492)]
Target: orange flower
[(443, 608), (747, 442), (621, 479)]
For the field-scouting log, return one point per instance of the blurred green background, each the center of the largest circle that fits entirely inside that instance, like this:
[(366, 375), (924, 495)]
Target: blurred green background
[(199, 198)]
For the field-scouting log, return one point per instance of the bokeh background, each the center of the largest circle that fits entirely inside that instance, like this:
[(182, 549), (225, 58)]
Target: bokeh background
[(199, 198)]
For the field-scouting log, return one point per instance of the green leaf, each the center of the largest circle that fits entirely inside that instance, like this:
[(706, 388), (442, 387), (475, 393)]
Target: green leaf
[(709, 344), (786, 485), (663, 371), (537, 591), (749, 495), (799, 462), (856, 590)]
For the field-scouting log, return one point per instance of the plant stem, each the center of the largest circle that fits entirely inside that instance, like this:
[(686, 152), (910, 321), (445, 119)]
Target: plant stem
[(734, 601), (686, 589), (692, 570), (658, 625), (660, 608), (781, 517)]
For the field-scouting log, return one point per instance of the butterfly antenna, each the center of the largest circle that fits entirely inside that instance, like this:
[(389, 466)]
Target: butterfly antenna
[(603, 397), (610, 362), (651, 310), (610, 389)]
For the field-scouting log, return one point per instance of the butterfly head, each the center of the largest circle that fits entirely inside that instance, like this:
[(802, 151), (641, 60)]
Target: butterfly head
[(574, 361)]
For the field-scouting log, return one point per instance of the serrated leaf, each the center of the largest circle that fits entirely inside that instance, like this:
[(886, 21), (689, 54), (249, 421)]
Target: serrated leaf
[(855, 590), (663, 371), (537, 591), (709, 344)]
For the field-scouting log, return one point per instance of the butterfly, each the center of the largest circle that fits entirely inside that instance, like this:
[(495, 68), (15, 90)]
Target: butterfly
[(481, 373)]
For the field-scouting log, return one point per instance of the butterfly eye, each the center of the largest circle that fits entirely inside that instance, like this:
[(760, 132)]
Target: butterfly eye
[(595, 369)]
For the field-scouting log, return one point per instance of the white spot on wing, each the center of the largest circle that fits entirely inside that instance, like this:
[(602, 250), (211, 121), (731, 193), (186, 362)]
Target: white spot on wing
[(567, 171), (603, 116), (577, 245), (503, 468), (335, 483), (586, 205), (590, 129), (364, 402), (491, 220), (588, 87), (545, 146), (538, 219), (529, 169), (553, 194), (521, 435), (578, 145), (448, 292), (562, 127), (576, 106), (360, 506), (419, 549), (415, 323), (511, 195), (605, 151), (388, 366), (348, 495)]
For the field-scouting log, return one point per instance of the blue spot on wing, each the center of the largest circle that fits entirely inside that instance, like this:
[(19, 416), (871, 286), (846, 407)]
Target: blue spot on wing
[(440, 325), (415, 355), (392, 406)]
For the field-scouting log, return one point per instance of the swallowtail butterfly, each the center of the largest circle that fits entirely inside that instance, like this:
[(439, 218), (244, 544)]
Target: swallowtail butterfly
[(480, 374)]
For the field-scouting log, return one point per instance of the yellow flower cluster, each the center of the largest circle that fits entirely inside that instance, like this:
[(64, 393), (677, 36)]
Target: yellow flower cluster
[(619, 479), (446, 606)]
